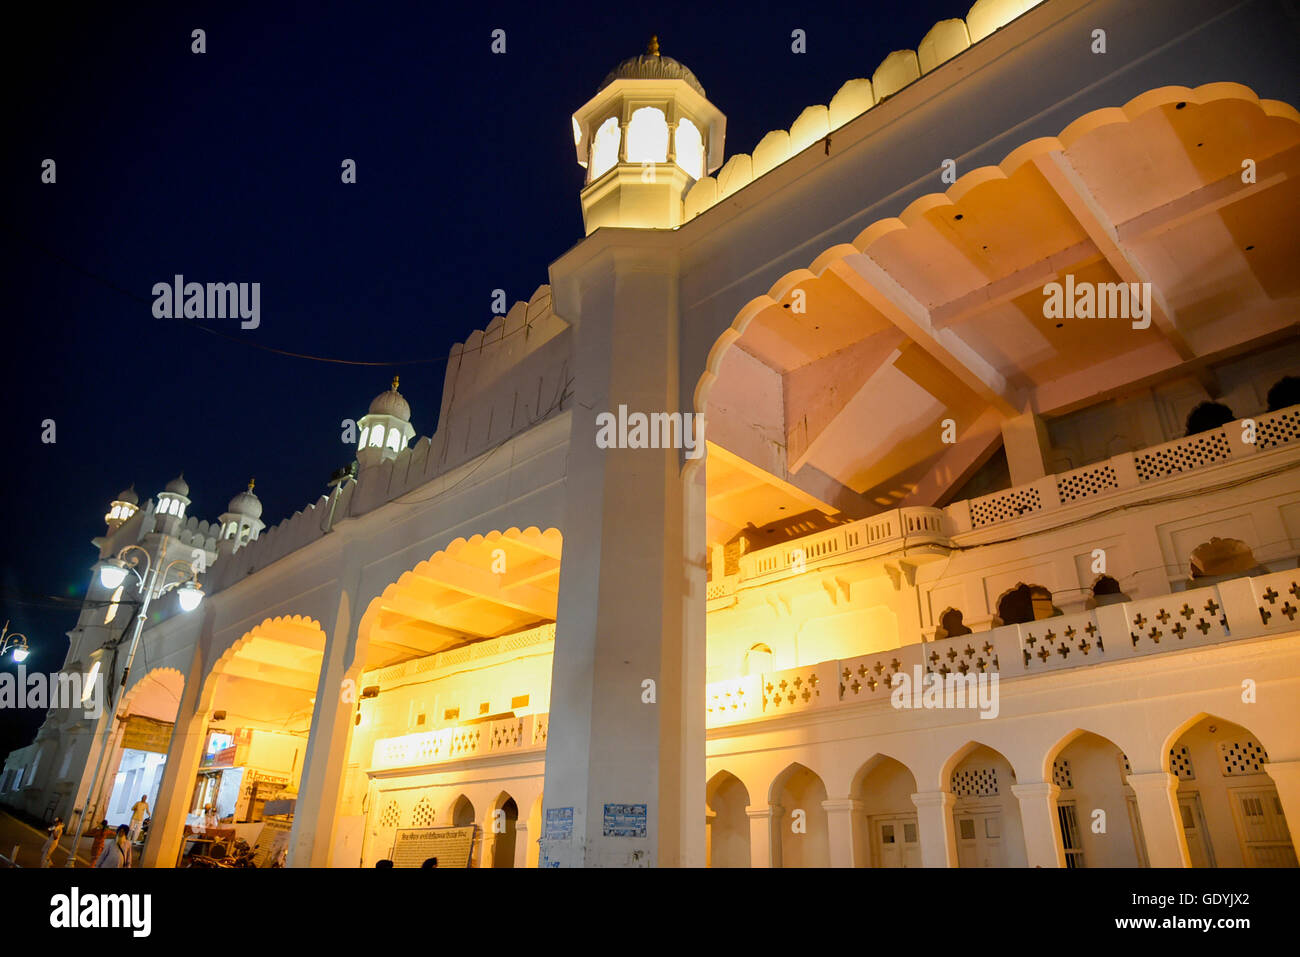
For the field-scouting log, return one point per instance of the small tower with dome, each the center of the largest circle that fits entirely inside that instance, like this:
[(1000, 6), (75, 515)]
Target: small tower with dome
[(242, 521), (174, 499), (385, 429), (122, 508), (646, 136)]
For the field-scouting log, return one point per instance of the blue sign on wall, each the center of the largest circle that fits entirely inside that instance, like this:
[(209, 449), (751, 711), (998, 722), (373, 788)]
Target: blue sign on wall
[(625, 820)]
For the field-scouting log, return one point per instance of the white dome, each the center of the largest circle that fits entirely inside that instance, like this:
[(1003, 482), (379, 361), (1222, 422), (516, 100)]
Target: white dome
[(128, 496), (246, 503), (178, 486), (391, 403)]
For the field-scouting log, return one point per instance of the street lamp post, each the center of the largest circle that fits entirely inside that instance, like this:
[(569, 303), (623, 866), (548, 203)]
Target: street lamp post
[(16, 641), (111, 574)]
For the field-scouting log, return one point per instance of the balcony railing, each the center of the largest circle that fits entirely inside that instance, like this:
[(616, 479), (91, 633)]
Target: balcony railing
[(917, 525), (506, 736), (1232, 610)]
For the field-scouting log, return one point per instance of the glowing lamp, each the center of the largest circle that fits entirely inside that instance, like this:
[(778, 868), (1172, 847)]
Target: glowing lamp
[(112, 573), (20, 654), (189, 596)]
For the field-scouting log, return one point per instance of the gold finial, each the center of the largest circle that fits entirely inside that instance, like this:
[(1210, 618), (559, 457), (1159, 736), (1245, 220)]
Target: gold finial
[(394, 383), (653, 48), (251, 483)]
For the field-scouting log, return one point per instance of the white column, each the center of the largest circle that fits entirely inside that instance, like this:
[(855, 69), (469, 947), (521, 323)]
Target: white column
[(842, 817), (1043, 847), (184, 753), (764, 843), (627, 692), (1162, 825), (934, 820), (311, 841), (1024, 437)]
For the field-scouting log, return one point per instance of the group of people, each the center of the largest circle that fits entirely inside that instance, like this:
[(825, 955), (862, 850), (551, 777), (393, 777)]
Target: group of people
[(115, 853)]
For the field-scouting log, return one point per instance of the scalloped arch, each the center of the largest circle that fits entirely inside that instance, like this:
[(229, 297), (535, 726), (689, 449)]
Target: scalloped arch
[(972, 180)]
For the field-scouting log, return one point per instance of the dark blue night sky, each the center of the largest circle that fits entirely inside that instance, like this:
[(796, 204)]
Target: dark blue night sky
[(225, 167)]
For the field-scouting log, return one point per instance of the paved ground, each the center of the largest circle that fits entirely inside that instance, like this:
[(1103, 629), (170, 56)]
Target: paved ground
[(30, 840)]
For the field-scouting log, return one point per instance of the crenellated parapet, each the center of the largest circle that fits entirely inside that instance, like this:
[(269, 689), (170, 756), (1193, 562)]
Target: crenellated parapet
[(946, 39)]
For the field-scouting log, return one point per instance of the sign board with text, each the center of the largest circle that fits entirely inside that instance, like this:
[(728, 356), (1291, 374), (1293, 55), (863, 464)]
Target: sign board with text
[(452, 846)]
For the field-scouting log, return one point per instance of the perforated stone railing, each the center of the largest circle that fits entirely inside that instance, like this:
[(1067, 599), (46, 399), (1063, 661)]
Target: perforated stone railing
[(1240, 608), (1271, 431), (521, 734)]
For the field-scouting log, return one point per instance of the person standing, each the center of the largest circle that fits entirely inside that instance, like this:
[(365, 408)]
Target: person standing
[(118, 852), (100, 837), (139, 811), (51, 842)]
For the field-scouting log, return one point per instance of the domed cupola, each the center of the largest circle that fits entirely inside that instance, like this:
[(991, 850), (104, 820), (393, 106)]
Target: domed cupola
[(385, 429), (242, 520), (122, 508), (175, 498), (646, 136)]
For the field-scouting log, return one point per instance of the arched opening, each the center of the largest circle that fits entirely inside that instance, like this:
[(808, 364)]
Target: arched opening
[(985, 814), (1227, 804), (951, 625), (1096, 810), (802, 836), (1220, 559), (885, 830), (136, 764), (1026, 603), (462, 812), (604, 148), (505, 830), (647, 136), (688, 148), (728, 827), (457, 670), (1105, 591), (262, 695), (758, 659)]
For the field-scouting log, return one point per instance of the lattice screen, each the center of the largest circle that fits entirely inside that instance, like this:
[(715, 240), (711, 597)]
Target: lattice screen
[(1061, 774), (975, 782), (1085, 483), (1277, 428), (1180, 763), (1004, 505), (1245, 756), (422, 815), (1190, 453), (392, 815)]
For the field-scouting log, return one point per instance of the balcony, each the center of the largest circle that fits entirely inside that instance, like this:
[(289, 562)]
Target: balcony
[(508, 736), (1233, 610), (923, 529)]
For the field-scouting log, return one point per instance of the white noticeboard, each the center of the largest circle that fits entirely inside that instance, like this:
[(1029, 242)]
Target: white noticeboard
[(273, 838), (452, 846)]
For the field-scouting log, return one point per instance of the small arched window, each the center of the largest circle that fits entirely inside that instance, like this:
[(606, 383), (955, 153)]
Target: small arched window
[(758, 660), (689, 148), (604, 147), (377, 436), (365, 434), (647, 136), (112, 609), (395, 439)]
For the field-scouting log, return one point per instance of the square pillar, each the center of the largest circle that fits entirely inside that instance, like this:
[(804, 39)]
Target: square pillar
[(521, 843), (842, 819), (627, 681), (1162, 825), (764, 843), (1043, 846), (1025, 439), (934, 821), (311, 840), (1286, 777)]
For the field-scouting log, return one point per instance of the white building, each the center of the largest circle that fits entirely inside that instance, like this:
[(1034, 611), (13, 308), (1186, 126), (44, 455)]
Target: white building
[(916, 465)]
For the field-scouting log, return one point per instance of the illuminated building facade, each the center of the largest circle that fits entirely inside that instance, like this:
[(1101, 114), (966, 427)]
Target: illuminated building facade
[(969, 575)]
